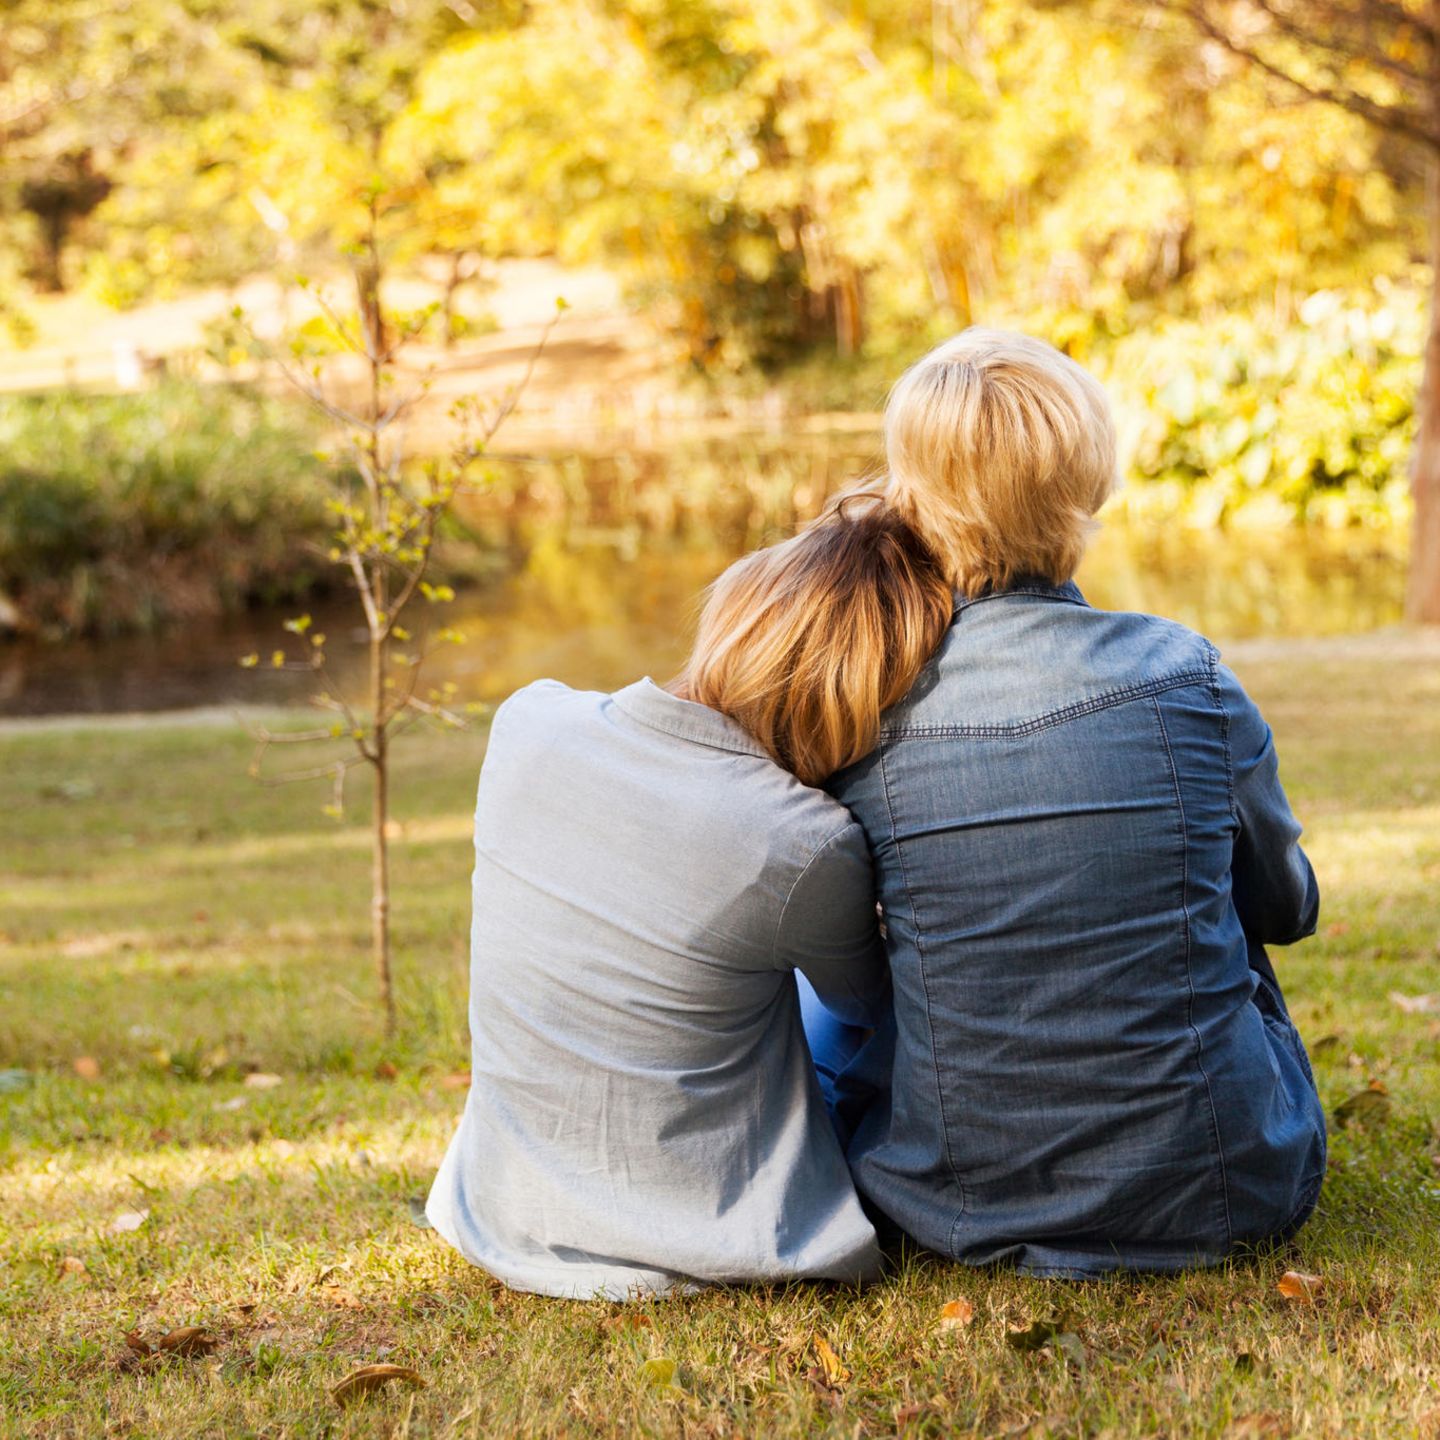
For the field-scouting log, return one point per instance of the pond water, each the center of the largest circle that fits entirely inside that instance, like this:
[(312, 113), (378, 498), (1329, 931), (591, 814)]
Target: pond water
[(588, 568)]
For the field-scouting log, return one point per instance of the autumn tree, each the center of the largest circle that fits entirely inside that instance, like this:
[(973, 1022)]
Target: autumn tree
[(389, 507), (1379, 60)]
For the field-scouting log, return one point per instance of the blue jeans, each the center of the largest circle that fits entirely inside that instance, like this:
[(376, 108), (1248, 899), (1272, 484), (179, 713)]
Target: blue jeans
[(833, 1045)]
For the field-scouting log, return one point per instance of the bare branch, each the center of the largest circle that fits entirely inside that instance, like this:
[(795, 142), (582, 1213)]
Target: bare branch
[(512, 398), (1349, 46), (1399, 120), (340, 324), (335, 769), (313, 392)]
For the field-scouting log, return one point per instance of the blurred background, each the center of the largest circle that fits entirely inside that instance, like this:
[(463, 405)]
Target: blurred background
[(758, 212)]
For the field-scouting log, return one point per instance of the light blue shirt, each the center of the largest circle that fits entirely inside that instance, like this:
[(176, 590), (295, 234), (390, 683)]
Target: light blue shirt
[(643, 1112)]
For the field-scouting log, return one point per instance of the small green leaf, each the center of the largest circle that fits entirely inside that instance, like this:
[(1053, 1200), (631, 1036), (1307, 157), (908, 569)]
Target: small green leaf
[(659, 1372)]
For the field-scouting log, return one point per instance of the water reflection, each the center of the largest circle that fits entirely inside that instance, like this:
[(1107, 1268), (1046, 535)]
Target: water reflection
[(595, 565)]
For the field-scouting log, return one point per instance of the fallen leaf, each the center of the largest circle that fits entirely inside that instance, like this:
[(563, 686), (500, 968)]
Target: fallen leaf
[(1256, 1426), (1297, 1285), (260, 1080), (129, 1221), (386, 1070), (1036, 1336), (416, 1206), (1365, 1106), (831, 1366), (74, 1265), (87, 1067), (369, 1378), (188, 1341), (1338, 927), (628, 1320), (245, 1307), (1056, 1334), (460, 1080), (956, 1313), (1417, 1004), (659, 1372), (340, 1297), (1325, 1043)]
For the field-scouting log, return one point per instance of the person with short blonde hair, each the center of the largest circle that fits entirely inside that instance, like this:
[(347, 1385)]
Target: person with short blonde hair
[(653, 871), (1083, 849), (999, 450)]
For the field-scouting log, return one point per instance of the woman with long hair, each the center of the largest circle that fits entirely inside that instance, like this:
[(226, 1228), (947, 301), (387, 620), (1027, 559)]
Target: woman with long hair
[(653, 868)]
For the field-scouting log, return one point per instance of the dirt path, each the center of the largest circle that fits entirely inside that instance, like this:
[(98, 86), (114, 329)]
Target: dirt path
[(603, 368)]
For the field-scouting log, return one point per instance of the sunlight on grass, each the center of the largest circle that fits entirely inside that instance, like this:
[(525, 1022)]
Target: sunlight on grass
[(279, 1218)]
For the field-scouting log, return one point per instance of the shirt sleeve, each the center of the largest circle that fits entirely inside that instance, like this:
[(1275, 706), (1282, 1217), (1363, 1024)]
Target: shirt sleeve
[(1273, 883), (829, 930)]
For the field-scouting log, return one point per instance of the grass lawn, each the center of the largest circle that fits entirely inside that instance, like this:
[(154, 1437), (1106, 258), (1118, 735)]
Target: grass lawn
[(167, 929)]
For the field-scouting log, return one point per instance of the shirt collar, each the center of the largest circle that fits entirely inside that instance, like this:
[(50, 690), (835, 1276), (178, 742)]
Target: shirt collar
[(646, 702), (1069, 591)]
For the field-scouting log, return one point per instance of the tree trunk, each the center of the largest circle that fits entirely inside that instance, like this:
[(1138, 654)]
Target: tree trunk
[(1422, 605), (453, 283), (380, 878), (849, 312), (380, 838)]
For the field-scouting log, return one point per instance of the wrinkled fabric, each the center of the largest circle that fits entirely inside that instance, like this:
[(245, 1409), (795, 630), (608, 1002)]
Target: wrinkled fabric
[(1083, 848), (643, 1114)]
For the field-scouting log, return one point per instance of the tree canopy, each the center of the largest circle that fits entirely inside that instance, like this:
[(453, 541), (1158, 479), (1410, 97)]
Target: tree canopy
[(775, 176)]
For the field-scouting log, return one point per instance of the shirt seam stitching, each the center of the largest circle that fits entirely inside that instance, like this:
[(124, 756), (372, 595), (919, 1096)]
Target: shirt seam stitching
[(731, 745), (795, 885), (1051, 718), (925, 987), (1189, 976), (1219, 702)]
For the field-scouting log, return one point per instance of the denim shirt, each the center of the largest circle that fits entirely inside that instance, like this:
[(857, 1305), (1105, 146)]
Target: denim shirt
[(642, 1114), (1083, 848)]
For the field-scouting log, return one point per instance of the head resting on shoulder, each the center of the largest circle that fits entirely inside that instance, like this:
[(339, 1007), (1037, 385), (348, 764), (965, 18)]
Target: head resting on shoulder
[(999, 450), (805, 643)]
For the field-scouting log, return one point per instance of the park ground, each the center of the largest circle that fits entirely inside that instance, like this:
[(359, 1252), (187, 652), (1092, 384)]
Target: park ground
[(201, 1125)]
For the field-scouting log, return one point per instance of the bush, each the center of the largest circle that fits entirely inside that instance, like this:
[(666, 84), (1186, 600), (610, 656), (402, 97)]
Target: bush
[(122, 511), (1243, 419)]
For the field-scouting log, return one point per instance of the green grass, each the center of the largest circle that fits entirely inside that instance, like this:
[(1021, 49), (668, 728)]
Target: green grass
[(182, 927)]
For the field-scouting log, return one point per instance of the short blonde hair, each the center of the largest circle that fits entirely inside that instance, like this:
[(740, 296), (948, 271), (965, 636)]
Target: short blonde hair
[(999, 450), (805, 643)]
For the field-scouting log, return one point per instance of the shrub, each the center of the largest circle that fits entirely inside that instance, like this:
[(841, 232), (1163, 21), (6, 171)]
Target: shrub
[(122, 511), (1243, 419)]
